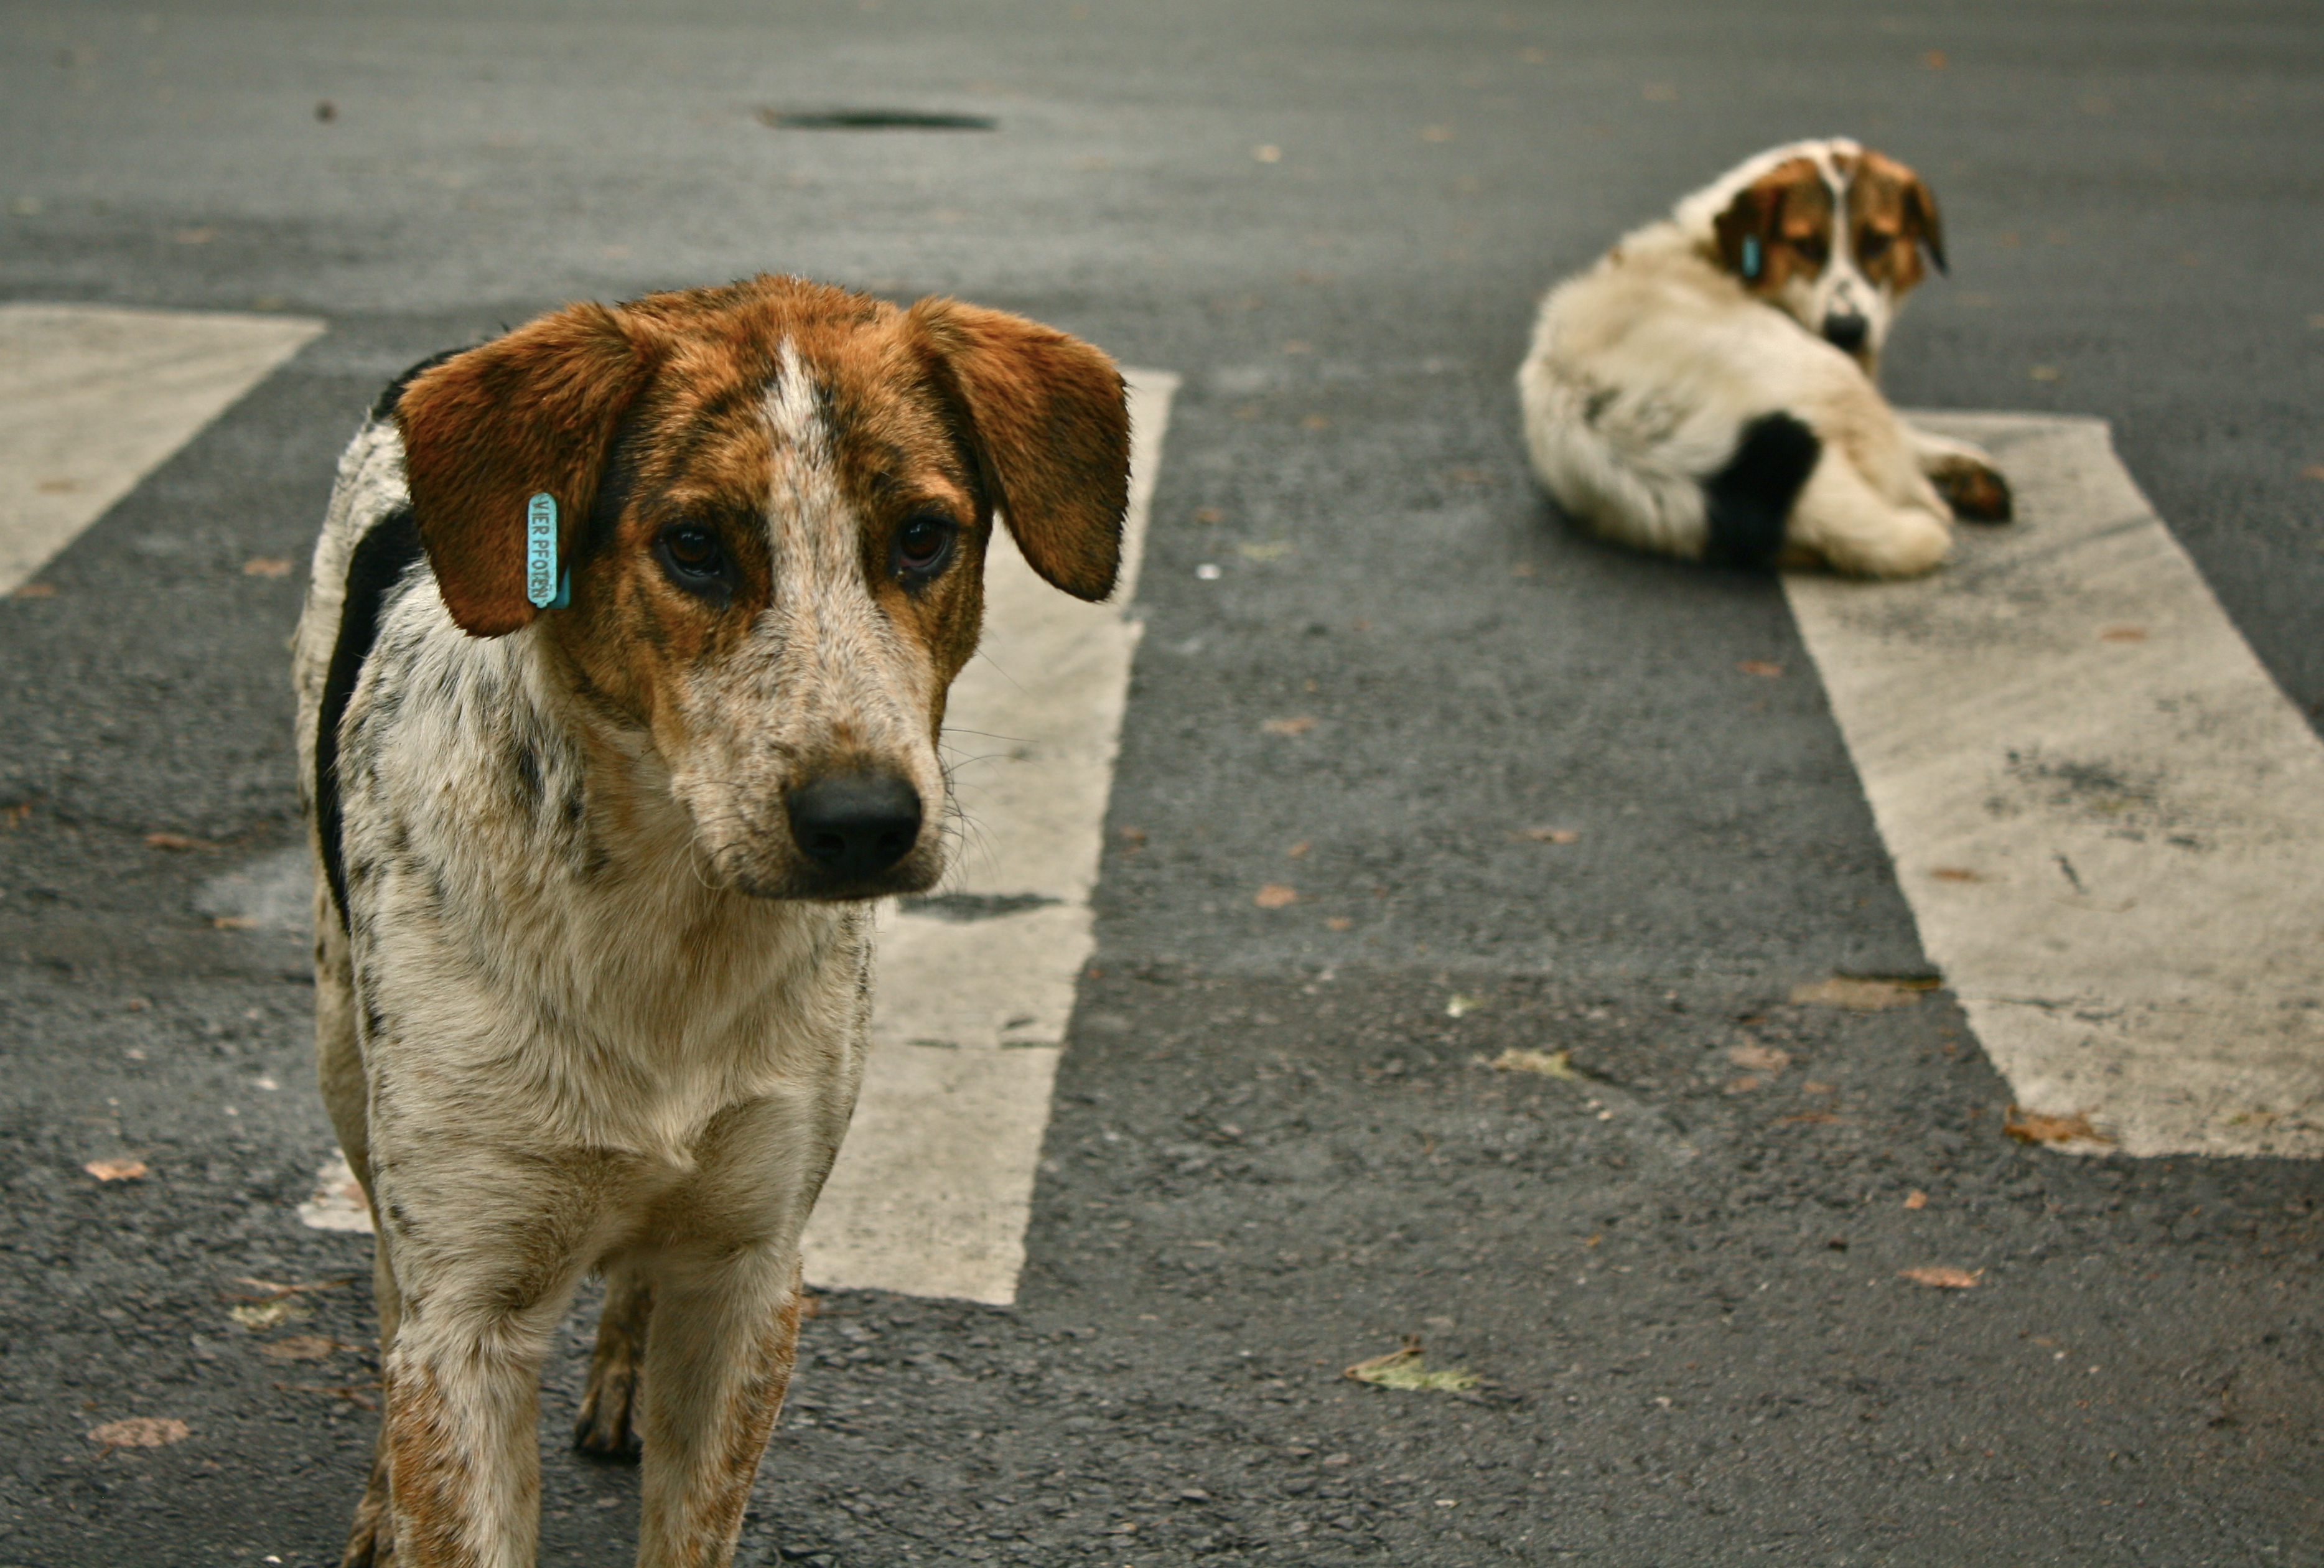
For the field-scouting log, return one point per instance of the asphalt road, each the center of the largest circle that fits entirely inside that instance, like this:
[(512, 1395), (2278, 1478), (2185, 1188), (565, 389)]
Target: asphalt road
[(1273, 1153)]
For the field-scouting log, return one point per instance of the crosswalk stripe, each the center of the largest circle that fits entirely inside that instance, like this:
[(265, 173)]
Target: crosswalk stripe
[(93, 398), (2107, 818), (935, 1184)]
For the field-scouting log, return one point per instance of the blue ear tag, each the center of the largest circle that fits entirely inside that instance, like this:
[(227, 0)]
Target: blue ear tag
[(546, 585), (1750, 259)]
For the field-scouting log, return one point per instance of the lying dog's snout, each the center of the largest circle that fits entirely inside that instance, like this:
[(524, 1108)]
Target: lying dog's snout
[(854, 825), (1846, 330)]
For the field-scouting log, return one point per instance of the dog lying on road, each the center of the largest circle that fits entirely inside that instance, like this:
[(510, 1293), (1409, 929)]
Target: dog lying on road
[(1707, 389), (619, 687)]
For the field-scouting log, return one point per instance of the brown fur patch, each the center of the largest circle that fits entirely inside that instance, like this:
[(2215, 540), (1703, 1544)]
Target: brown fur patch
[(1892, 215), (1788, 211), (1053, 430), (487, 429), (431, 1478)]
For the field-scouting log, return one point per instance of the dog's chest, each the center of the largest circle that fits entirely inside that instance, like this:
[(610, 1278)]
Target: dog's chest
[(533, 931)]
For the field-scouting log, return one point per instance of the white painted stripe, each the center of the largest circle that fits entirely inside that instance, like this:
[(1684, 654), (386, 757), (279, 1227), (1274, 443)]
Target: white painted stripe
[(935, 1184), (2108, 820), (93, 398)]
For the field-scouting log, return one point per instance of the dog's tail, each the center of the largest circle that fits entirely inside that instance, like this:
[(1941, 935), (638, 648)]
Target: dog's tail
[(1746, 501)]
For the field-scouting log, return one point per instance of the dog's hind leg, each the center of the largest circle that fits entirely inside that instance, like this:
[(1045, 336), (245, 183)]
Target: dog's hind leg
[(1747, 501), (607, 1426), (371, 1538), (340, 1069), (1861, 532)]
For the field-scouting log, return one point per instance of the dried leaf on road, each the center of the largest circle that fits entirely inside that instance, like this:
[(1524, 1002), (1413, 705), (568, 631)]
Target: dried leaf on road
[(116, 1170), (300, 1348), (1916, 1199), (1759, 1058), (1942, 1278), (1767, 668), (1549, 836), (266, 567), (276, 1289), (1863, 995), (1406, 1368), (141, 1431), (2033, 1127), (1275, 896), (1548, 1063), (257, 1316), (1297, 725), (175, 840)]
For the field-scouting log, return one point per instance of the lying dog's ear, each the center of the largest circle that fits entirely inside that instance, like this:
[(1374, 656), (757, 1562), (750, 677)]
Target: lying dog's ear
[(1052, 431), (1922, 222), (1744, 230), (487, 430), (1784, 208)]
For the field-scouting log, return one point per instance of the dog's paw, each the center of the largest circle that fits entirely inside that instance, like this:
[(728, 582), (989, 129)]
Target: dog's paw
[(605, 1429), (1975, 491)]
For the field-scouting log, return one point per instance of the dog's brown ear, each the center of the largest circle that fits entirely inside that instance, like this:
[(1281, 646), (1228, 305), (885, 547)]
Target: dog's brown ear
[(1784, 206), (1922, 222), (1744, 228), (487, 430), (1051, 430)]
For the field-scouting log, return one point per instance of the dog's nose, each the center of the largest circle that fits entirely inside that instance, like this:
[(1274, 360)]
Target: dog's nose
[(1846, 330), (855, 825)]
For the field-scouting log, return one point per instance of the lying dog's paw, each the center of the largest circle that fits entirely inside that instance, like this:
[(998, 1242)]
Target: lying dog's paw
[(604, 1430), (1975, 491)]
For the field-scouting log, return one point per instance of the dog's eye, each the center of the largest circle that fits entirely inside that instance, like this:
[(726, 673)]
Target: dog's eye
[(693, 556), (1812, 248), (1873, 244), (924, 544)]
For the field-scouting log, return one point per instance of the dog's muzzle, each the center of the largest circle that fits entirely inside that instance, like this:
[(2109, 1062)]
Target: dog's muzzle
[(853, 826)]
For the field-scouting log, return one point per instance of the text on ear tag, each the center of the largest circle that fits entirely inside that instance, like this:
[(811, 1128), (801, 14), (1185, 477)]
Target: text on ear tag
[(541, 575)]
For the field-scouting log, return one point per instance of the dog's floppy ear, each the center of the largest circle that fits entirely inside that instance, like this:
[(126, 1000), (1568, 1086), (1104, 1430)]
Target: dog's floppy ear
[(1922, 222), (1051, 429), (1744, 229), (487, 430), (1747, 233)]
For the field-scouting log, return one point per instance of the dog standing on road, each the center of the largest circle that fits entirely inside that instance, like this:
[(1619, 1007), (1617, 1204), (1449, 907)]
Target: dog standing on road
[(1707, 388), (619, 686)]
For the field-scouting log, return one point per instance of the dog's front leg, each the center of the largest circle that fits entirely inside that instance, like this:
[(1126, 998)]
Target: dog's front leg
[(726, 1332), (1963, 475), (485, 1253)]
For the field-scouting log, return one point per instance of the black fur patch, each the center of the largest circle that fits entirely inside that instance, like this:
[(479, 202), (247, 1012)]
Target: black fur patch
[(381, 558), (1747, 502)]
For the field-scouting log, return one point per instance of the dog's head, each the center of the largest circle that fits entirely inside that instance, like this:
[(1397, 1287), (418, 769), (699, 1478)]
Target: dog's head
[(1831, 233), (774, 499)]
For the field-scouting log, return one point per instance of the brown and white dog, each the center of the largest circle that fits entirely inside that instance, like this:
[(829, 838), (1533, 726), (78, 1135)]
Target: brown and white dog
[(1708, 390), (594, 967)]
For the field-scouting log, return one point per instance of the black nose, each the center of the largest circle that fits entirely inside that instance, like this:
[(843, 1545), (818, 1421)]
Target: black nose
[(855, 825), (1846, 330)]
